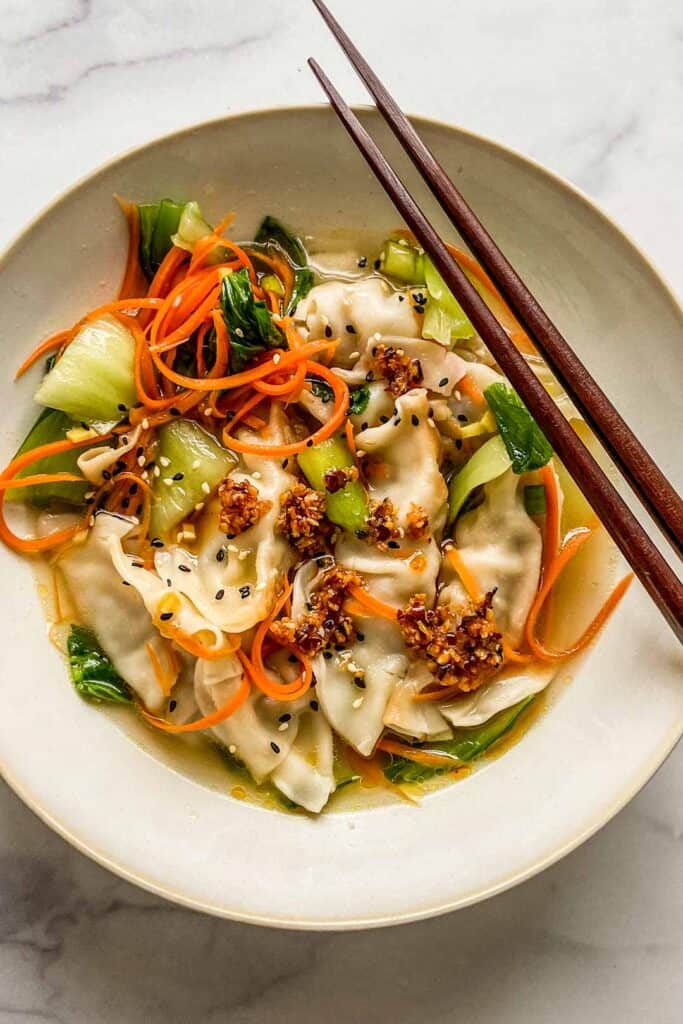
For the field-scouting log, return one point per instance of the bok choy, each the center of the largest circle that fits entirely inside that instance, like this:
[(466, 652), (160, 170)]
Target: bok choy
[(249, 322), (272, 231), (524, 440), (487, 463), (92, 673)]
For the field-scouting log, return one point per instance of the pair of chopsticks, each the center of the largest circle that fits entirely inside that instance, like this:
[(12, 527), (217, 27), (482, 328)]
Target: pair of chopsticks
[(636, 465)]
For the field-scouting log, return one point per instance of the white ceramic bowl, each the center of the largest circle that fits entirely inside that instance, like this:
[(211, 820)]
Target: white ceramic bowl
[(123, 803)]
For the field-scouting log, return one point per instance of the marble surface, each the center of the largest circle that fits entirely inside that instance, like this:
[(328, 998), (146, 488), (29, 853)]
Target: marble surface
[(592, 89)]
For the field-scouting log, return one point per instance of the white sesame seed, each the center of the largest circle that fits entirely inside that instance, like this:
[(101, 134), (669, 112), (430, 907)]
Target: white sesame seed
[(233, 548), (239, 332), (232, 749), (168, 480), (206, 488), (199, 506), (196, 464), (458, 395), (243, 554), (156, 471), (360, 453), (355, 355), (256, 475), (164, 460), (283, 727), (259, 587), (144, 475), (376, 336), (141, 460), (352, 667), (89, 494), (145, 424), (357, 702), (276, 358), (91, 521), (207, 412), (432, 423)]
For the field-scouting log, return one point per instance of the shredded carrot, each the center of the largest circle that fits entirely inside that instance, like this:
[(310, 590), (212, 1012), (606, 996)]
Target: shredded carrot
[(426, 757), (255, 667), (466, 575), (162, 677), (373, 604), (35, 544), (469, 387), (54, 341), (41, 478), (208, 721), (133, 282), (350, 439)]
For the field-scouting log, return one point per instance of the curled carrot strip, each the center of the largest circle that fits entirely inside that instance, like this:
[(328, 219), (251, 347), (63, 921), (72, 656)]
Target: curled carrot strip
[(466, 575), (215, 718), (54, 341), (373, 604), (418, 755), (254, 666), (41, 478), (469, 387), (133, 282)]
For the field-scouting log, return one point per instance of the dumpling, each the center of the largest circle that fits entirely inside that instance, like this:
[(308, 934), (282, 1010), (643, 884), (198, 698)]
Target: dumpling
[(502, 547), (264, 735), (368, 306), (409, 448), (416, 719), (441, 369), (234, 582), (94, 461), (116, 613), (502, 692)]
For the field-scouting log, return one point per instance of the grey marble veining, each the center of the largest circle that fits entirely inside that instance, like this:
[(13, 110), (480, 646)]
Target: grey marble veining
[(592, 89)]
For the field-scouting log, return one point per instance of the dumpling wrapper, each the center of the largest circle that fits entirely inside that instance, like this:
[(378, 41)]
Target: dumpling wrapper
[(502, 547), (94, 461), (255, 735), (115, 613), (502, 692), (441, 368), (369, 305)]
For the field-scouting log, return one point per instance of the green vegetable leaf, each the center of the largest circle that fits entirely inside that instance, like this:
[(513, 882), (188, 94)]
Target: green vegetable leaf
[(249, 322), (526, 445), (321, 389), (466, 745), (347, 507), (50, 426), (360, 397), (158, 223), (92, 672), (487, 463), (272, 231)]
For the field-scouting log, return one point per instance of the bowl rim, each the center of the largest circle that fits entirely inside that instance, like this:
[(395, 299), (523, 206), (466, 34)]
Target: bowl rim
[(647, 772)]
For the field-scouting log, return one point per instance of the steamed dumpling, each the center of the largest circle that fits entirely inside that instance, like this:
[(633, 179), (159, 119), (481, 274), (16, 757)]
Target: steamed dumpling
[(502, 547), (368, 306), (115, 612), (287, 742)]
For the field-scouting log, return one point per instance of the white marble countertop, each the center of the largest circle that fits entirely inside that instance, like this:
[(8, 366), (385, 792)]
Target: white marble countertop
[(591, 89)]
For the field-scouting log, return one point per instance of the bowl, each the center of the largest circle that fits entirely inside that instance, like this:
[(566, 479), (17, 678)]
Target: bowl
[(128, 803)]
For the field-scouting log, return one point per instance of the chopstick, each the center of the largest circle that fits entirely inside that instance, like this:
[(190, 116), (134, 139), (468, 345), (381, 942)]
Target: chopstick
[(644, 557), (634, 462)]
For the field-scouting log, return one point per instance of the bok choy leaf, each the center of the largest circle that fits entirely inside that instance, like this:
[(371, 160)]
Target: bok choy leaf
[(487, 463), (274, 232), (92, 673), (526, 444), (249, 322)]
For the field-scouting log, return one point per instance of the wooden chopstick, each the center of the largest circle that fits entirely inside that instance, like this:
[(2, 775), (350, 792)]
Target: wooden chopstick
[(644, 557), (634, 462)]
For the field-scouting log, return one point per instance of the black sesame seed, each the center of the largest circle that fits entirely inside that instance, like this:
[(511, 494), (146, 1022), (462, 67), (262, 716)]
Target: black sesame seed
[(286, 717), (377, 264), (120, 464), (292, 659), (431, 413), (393, 544), (274, 747), (462, 418), (360, 637), (220, 554), (363, 261), (168, 582), (139, 451), (285, 463), (220, 594), (151, 464), (106, 475), (172, 705), (133, 489), (369, 376), (157, 542), (384, 419), (125, 503), (350, 329), (364, 425), (359, 682), (339, 647), (85, 425), (230, 536), (397, 421), (309, 443), (328, 331), (125, 583), (458, 444), (137, 565), (178, 476), (401, 298), (230, 415), (245, 591), (165, 616), (443, 382), (361, 534), (327, 655), (138, 510), (121, 407), (415, 420), (174, 410), (184, 568), (313, 704)]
